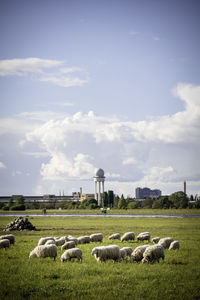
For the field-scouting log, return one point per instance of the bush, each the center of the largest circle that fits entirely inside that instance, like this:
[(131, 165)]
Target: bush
[(133, 204), (5, 207), (2, 205), (18, 207)]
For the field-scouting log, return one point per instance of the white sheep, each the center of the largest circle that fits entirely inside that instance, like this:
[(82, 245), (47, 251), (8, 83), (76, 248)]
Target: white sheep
[(114, 236), (128, 251), (4, 243), (96, 237), (43, 240), (174, 245), (71, 238), (9, 237), (137, 254), (144, 236), (60, 241), (50, 242), (72, 253), (68, 245), (83, 239), (44, 251), (153, 253), (128, 236), (155, 240), (165, 242), (103, 253), (122, 254)]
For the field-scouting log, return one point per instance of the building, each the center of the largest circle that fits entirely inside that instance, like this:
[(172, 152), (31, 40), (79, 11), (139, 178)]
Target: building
[(144, 193), (99, 179)]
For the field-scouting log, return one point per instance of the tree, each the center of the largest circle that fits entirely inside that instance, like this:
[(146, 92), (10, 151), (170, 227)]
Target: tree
[(105, 199), (20, 200), (147, 203), (122, 203), (10, 202), (110, 198), (179, 200)]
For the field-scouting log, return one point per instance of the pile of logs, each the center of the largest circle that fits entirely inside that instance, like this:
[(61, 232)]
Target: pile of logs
[(20, 224)]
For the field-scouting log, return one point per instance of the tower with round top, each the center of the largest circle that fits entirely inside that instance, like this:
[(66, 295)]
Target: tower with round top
[(99, 179)]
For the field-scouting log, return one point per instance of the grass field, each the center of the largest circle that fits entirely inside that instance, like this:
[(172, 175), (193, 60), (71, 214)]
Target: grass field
[(178, 277)]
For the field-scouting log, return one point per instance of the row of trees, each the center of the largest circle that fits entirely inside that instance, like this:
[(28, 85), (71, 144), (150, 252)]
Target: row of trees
[(175, 200)]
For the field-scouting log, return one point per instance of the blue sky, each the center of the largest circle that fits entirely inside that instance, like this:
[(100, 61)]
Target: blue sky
[(89, 84)]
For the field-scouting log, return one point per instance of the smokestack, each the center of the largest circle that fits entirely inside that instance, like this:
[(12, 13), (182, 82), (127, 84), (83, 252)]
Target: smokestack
[(184, 186), (80, 190)]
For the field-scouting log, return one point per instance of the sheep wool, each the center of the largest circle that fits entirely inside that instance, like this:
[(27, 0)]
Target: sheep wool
[(137, 254), (174, 245), (4, 244), (144, 236), (43, 240), (60, 241), (72, 253), (128, 236), (83, 239), (96, 237), (9, 237), (103, 253), (114, 236), (44, 251), (153, 254), (165, 242), (128, 251), (71, 238), (68, 245)]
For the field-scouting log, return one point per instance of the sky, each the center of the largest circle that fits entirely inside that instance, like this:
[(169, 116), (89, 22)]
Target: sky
[(99, 84)]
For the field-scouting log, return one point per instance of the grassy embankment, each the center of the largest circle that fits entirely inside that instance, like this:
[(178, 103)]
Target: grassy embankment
[(176, 278)]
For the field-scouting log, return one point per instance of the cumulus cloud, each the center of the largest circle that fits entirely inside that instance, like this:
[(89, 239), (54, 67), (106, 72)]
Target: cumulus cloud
[(2, 166), (52, 71), (128, 151)]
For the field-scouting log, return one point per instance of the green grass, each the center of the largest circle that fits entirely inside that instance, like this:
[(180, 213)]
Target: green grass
[(177, 277)]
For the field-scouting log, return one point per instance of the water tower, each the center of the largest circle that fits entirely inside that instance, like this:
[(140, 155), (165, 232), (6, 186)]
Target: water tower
[(99, 179)]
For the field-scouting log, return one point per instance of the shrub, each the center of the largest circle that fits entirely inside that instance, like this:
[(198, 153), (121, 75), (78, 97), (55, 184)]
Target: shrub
[(5, 207), (18, 207)]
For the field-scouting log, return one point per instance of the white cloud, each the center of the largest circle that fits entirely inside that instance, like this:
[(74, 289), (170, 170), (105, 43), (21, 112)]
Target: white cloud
[(130, 161), (37, 154), (46, 70), (2, 166), (43, 116)]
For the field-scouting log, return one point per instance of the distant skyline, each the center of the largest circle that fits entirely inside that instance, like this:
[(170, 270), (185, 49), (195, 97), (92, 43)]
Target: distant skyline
[(99, 84)]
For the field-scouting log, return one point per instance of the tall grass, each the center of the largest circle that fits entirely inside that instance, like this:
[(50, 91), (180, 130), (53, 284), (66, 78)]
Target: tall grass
[(175, 278)]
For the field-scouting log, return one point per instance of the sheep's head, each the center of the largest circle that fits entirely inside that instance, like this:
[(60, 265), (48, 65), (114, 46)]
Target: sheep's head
[(94, 251)]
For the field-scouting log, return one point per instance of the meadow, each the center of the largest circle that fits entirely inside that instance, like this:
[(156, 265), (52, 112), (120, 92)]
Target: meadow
[(177, 277)]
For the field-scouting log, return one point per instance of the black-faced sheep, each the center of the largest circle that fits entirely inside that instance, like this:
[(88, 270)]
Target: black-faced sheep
[(155, 240)]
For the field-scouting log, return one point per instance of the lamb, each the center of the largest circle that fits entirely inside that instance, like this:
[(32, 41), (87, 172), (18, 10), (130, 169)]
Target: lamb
[(153, 253), (44, 251), (43, 240), (155, 240), (128, 236), (72, 253), (174, 245), (4, 244), (83, 239), (114, 236), (103, 253), (165, 242), (9, 237), (96, 237), (137, 254), (144, 236), (68, 245)]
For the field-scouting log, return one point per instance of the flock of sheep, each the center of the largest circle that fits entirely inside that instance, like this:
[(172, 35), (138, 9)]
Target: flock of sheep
[(48, 246)]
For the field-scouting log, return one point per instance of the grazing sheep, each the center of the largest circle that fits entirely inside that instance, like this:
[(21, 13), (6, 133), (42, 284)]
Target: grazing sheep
[(153, 253), (50, 242), (43, 240), (9, 237), (114, 236), (122, 254), (137, 254), (128, 236), (155, 240), (72, 253), (128, 251), (165, 242), (103, 253), (61, 241), (83, 239), (174, 245), (144, 236), (68, 245), (96, 237), (44, 251), (71, 238), (4, 243)]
